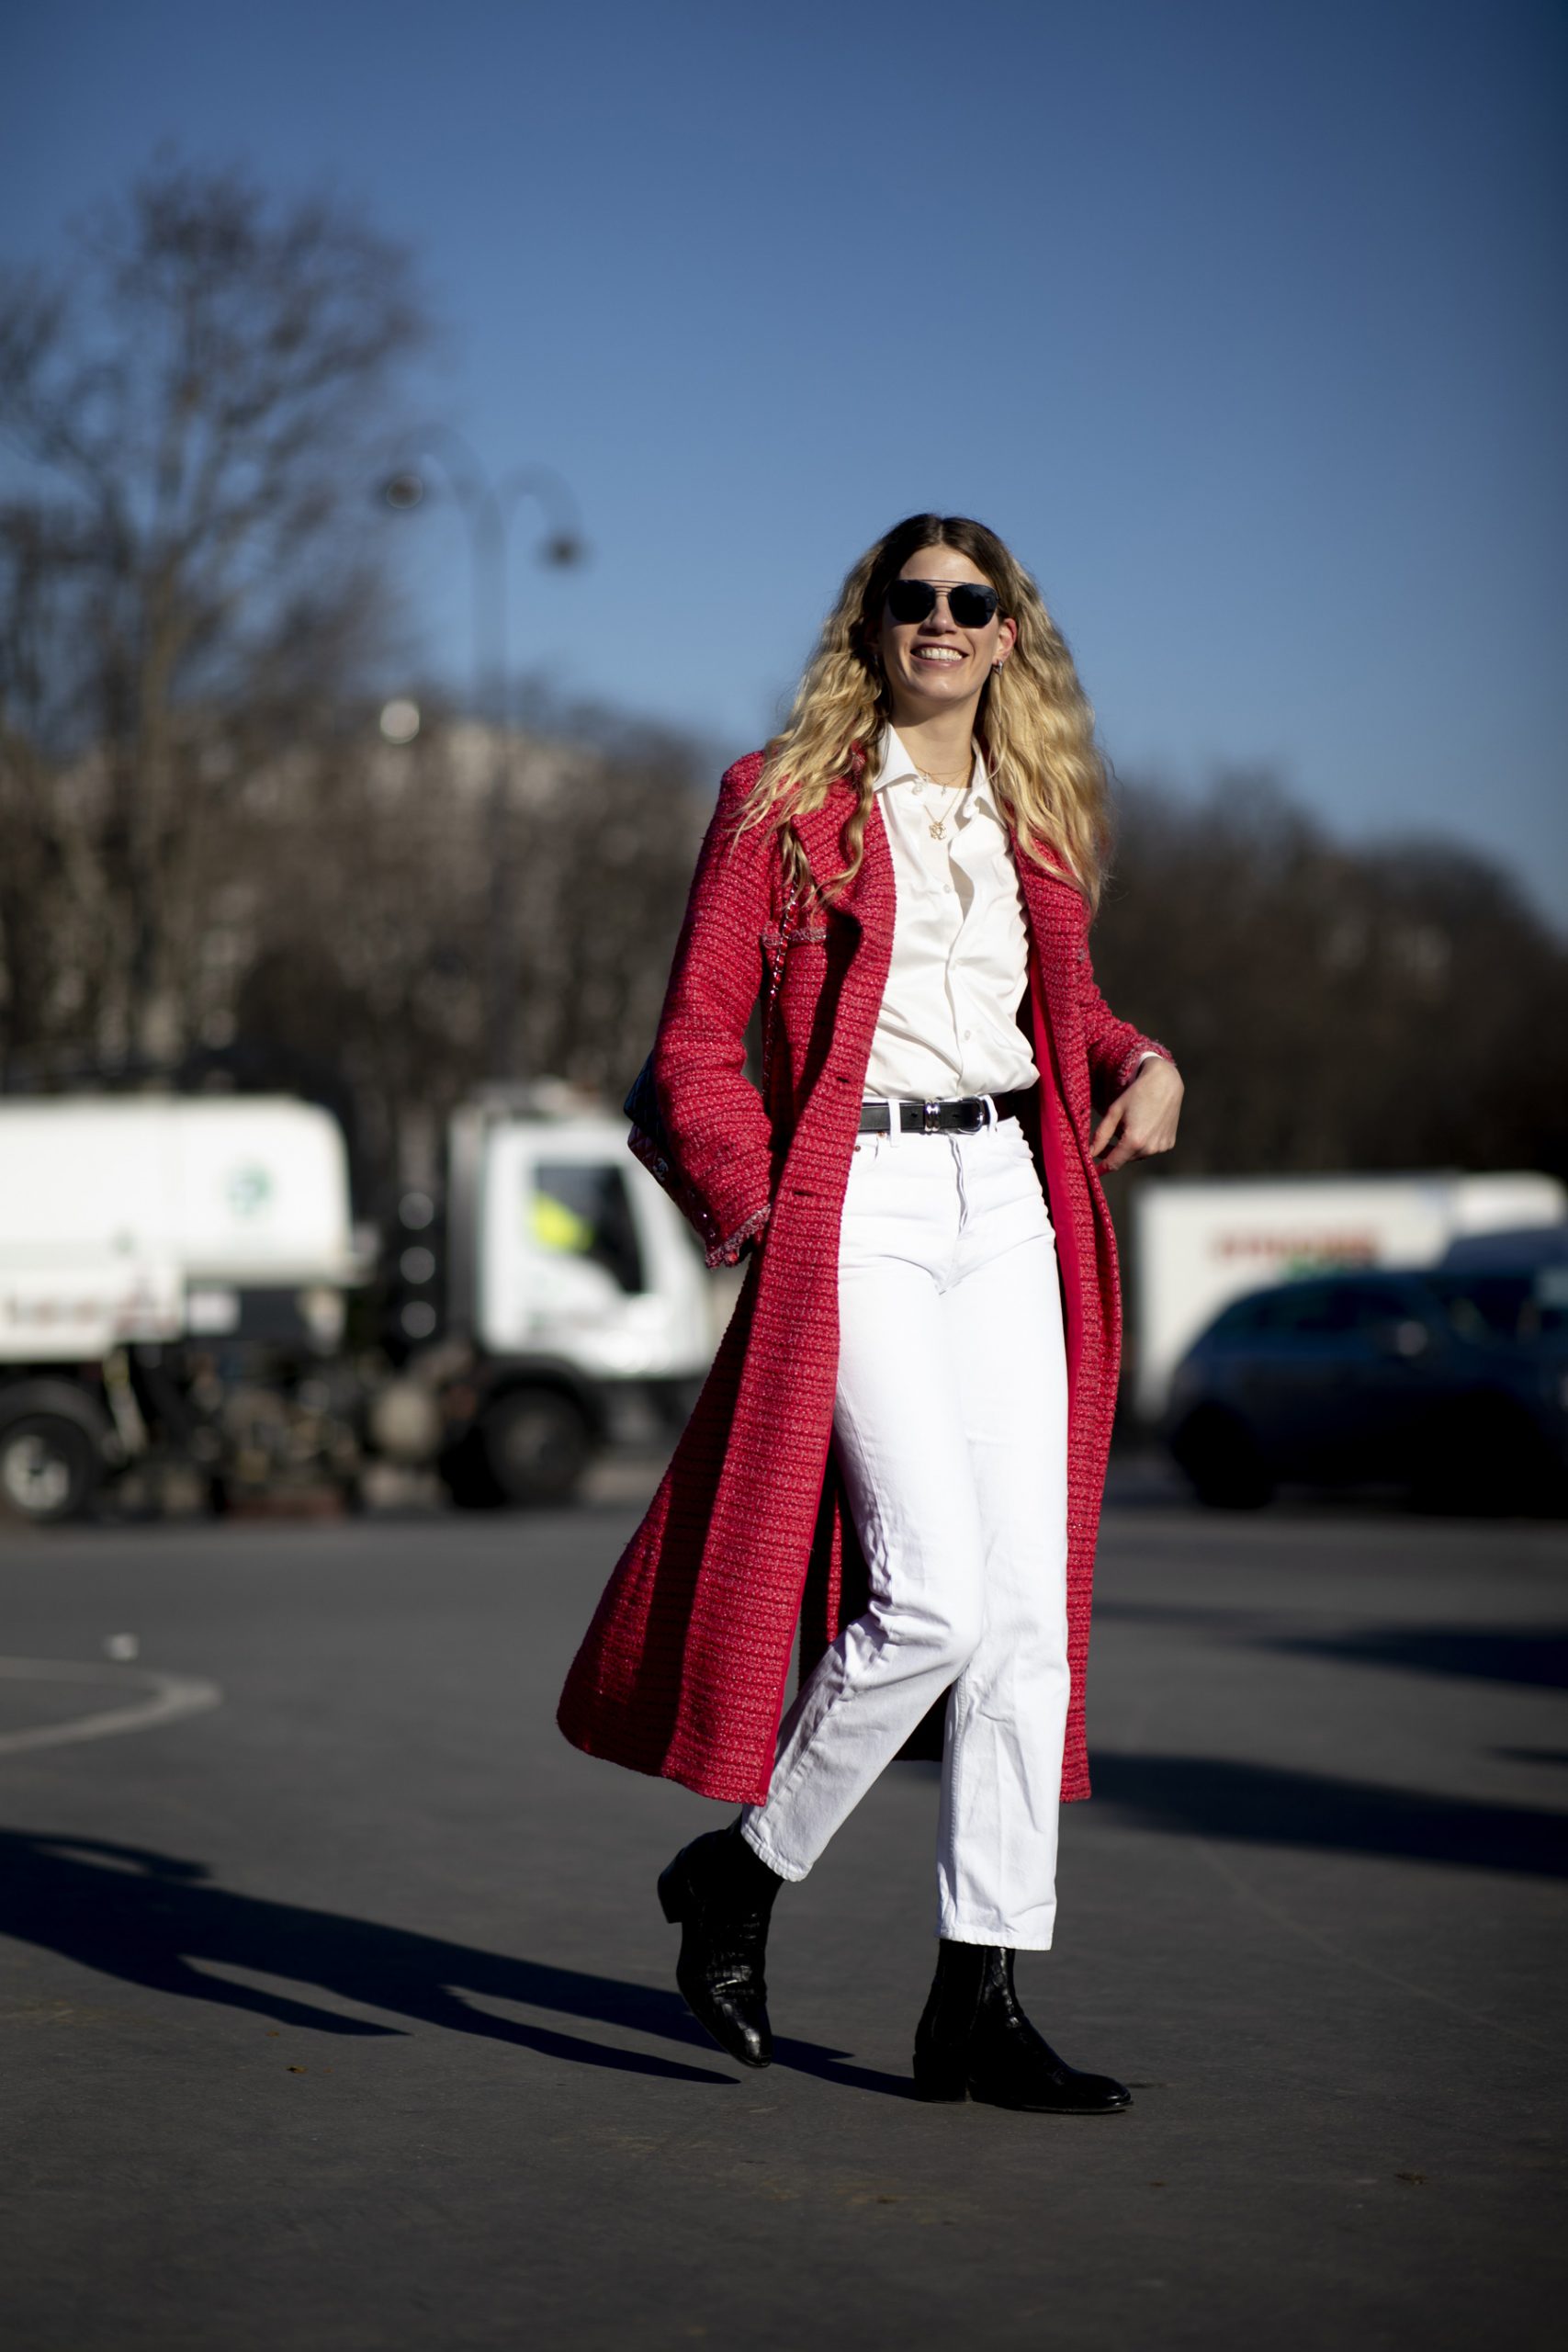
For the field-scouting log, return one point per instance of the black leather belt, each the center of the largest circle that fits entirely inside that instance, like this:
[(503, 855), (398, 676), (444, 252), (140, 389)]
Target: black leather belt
[(953, 1115)]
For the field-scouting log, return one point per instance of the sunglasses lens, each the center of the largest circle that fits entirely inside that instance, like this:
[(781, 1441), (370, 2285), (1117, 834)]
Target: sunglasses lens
[(915, 600), (911, 600), (972, 607)]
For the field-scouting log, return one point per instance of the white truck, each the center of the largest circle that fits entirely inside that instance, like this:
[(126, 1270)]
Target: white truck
[(176, 1274), (173, 1273), (555, 1301), (1197, 1243)]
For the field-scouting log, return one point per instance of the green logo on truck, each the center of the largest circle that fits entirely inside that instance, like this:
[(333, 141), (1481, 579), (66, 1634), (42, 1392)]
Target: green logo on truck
[(249, 1190)]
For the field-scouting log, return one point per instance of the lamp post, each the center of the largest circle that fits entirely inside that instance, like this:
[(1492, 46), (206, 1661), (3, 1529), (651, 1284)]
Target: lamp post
[(489, 509)]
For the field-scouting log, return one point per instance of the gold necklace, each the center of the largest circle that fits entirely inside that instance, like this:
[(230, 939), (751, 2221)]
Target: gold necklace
[(937, 826)]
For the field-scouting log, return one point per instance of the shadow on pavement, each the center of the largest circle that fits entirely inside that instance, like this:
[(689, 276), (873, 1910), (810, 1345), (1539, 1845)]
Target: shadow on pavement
[(152, 1919), (1265, 1806), (1534, 1655)]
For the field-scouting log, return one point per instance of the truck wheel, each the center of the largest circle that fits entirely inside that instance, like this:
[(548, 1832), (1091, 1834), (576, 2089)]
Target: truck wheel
[(1219, 1457), (536, 1446), (47, 1470)]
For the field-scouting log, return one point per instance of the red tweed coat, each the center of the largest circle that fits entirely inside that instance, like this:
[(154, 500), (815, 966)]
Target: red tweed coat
[(682, 1670)]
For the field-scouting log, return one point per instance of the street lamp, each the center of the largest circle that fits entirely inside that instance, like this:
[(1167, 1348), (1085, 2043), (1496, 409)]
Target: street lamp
[(489, 509)]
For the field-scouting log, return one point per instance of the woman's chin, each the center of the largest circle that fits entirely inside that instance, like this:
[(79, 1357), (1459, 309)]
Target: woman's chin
[(943, 692)]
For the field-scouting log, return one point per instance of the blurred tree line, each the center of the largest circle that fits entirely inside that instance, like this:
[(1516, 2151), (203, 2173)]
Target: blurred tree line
[(1335, 1008), (215, 867)]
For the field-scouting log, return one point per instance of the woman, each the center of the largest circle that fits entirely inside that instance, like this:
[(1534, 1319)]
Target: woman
[(902, 1442)]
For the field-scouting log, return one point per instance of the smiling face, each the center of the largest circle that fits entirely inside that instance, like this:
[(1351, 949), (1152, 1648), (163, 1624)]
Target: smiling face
[(933, 665)]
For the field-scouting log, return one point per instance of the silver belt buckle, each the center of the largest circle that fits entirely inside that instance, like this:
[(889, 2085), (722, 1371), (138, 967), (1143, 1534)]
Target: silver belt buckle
[(930, 1127)]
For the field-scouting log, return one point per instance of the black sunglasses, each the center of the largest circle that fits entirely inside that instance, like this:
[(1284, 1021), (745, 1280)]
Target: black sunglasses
[(915, 600)]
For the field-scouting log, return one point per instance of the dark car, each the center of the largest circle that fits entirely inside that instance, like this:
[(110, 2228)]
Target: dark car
[(1451, 1383)]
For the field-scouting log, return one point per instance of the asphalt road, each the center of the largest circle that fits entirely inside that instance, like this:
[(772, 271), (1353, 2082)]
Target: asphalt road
[(337, 2009)]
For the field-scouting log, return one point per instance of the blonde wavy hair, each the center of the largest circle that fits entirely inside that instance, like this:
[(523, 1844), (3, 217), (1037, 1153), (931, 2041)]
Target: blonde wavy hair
[(1034, 723)]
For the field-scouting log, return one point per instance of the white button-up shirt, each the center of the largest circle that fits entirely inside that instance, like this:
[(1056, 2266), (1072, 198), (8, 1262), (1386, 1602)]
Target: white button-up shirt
[(949, 1017)]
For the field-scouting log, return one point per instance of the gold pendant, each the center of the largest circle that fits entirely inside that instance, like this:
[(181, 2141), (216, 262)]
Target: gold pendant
[(938, 830)]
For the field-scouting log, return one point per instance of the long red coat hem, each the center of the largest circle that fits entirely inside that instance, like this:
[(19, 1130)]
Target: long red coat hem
[(726, 1789)]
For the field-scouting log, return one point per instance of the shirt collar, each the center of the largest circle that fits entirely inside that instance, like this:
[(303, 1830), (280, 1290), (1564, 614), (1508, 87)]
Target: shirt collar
[(897, 767)]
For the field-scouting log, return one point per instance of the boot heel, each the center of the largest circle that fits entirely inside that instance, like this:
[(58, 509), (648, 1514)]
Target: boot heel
[(670, 1895), (942, 2079)]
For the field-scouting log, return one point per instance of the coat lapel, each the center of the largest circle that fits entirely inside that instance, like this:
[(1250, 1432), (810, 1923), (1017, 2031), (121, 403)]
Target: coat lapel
[(1054, 907), (868, 900)]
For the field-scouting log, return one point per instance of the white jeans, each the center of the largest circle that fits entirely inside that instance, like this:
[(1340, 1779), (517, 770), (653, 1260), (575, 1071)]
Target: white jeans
[(951, 1421)]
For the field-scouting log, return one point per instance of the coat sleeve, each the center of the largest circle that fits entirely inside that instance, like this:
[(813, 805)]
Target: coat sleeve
[(1115, 1047), (714, 1115)]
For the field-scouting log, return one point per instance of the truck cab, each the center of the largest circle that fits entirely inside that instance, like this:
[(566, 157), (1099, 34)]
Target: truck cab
[(570, 1306)]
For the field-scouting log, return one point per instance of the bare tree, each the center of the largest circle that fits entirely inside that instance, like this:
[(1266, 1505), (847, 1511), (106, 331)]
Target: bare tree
[(211, 857), (182, 588)]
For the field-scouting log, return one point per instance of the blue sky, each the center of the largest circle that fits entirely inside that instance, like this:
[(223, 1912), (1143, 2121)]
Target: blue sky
[(1243, 323)]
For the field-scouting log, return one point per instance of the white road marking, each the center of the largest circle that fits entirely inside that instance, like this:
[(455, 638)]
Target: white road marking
[(168, 1697)]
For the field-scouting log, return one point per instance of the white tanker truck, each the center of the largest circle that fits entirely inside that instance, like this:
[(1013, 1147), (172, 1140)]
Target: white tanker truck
[(176, 1275)]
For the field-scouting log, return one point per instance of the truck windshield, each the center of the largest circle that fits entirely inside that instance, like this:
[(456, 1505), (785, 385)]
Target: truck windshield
[(581, 1209)]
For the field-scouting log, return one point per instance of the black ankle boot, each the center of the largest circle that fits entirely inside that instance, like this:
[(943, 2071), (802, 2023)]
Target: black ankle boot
[(721, 1893), (974, 2041)]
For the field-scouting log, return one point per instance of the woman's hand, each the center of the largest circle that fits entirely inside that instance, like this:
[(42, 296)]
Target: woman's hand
[(1143, 1120)]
